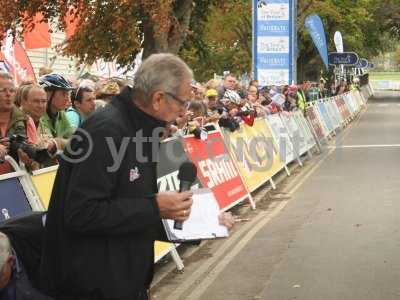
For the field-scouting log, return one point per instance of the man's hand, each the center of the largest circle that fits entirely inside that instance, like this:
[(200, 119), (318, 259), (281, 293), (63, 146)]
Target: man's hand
[(174, 205), (226, 219)]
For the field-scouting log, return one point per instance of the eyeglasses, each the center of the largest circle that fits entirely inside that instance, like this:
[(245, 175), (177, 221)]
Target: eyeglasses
[(182, 103), (10, 90)]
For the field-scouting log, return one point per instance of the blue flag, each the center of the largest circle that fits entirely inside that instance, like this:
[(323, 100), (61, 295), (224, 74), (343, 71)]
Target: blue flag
[(316, 29)]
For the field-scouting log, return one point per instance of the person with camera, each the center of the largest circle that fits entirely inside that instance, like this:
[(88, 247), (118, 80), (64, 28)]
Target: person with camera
[(34, 102), (58, 91), (13, 122)]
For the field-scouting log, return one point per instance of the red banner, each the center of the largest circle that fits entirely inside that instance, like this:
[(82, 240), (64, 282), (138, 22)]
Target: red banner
[(216, 169), (36, 33), (17, 63)]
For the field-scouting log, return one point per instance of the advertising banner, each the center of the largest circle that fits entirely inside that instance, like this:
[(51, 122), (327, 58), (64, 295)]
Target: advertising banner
[(342, 108), (325, 117), (296, 135), (171, 155), (350, 103), (337, 112), (336, 117), (302, 123), (362, 63), (338, 39), (358, 98), (315, 27), (315, 122), (43, 181), (16, 61), (281, 137), (274, 39), (253, 149), (16, 203), (345, 58), (216, 169)]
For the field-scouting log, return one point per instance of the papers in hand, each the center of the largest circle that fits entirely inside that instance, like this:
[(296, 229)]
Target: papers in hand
[(203, 221)]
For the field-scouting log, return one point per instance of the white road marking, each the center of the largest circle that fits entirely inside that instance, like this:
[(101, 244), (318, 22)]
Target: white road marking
[(222, 258), (365, 146), (227, 252)]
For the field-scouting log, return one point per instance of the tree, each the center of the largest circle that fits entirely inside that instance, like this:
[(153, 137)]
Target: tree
[(112, 30), (222, 42), (367, 26)]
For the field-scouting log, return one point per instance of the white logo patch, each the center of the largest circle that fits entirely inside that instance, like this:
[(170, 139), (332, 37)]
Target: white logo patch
[(134, 174)]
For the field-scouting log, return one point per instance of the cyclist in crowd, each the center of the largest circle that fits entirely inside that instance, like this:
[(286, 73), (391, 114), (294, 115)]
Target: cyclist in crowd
[(58, 91)]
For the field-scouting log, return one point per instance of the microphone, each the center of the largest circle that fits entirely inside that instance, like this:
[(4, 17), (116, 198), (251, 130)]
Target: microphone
[(187, 175)]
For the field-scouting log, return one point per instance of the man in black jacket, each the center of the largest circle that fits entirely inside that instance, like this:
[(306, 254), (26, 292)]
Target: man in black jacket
[(105, 211)]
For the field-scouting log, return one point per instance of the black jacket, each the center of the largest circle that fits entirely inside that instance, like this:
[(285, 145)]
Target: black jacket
[(101, 223), (25, 235)]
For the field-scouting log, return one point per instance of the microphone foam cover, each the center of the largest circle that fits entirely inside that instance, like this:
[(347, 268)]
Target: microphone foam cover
[(187, 172)]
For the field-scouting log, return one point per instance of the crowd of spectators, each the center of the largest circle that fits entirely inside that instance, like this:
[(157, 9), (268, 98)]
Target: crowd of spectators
[(37, 119)]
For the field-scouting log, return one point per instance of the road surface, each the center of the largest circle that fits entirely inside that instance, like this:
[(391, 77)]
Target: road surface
[(331, 232)]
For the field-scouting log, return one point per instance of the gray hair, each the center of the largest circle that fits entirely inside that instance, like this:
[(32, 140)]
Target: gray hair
[(5, 249), (163, 71), (5, 76)]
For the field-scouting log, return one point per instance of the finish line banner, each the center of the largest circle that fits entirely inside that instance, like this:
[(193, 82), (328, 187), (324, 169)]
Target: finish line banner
[(274, 41)]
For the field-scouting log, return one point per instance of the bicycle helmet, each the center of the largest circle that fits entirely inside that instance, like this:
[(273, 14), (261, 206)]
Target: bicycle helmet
[(233, 97), (52, 82)]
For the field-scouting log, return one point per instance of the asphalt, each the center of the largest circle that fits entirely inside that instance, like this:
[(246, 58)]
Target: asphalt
[(338, 234)]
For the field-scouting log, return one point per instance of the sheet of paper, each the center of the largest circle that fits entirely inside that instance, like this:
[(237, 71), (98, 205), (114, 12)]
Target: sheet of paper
[(203, 220)]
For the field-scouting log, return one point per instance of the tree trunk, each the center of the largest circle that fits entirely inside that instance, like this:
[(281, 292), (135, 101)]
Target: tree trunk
[(172, 39)]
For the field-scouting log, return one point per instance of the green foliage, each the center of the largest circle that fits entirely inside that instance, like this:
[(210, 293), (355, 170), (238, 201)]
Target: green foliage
[(222, 41), (367, 27), (215, 34)]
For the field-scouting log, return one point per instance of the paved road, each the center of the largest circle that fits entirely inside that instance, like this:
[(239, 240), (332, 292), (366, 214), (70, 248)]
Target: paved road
[(338, 237)]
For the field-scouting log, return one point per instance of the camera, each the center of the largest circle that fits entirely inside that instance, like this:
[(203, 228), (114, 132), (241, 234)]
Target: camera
[(19, 142), (229, 123)]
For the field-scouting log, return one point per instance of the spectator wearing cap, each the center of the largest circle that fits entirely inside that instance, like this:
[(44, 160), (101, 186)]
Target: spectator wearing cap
[(230, 83), (83, 104), (58, 91), (211, 97)]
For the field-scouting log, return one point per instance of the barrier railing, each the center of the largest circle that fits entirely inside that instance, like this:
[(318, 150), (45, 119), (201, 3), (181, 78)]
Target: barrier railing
[(231, 164)]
